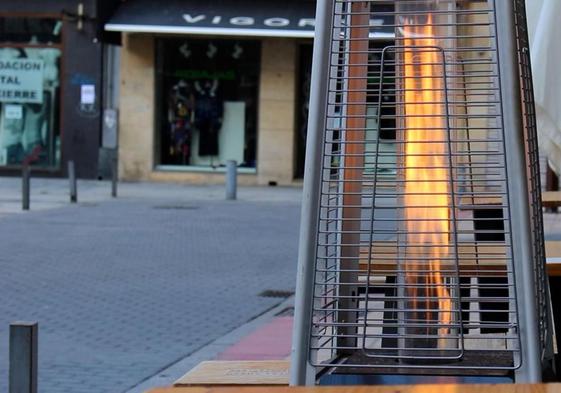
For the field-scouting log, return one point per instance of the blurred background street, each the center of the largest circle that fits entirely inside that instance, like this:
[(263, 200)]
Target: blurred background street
[(123, 288)]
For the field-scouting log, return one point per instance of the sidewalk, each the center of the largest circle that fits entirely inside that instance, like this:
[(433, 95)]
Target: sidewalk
[(124, 288), (49, 194)]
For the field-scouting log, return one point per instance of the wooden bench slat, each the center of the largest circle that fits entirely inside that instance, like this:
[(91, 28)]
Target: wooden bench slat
[(266, 372)]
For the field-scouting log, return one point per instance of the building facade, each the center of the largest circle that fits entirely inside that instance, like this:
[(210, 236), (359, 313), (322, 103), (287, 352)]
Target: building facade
[(52, 56), (207, 82)]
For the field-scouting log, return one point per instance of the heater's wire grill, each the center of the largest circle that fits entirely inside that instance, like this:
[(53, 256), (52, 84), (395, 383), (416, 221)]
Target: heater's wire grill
[(532, 152), (414, 264)]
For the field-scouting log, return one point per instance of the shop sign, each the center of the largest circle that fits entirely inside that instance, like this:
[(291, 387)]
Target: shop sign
[(287, 18), (248, 21), (21, 80)]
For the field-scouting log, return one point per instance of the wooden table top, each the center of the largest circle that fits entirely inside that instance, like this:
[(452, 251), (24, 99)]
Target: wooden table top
[(510, 388), (549, 199), (386, 249), (239, 373)]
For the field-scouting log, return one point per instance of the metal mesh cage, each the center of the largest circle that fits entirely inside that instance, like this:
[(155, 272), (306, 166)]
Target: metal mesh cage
[(414, 257), (531, 138)]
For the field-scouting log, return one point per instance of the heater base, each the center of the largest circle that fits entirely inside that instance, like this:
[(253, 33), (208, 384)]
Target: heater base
[(472, 363), (470, 369), (397, 379)]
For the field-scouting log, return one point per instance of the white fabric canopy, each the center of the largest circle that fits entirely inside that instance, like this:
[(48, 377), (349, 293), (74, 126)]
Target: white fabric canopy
[(544, 25)]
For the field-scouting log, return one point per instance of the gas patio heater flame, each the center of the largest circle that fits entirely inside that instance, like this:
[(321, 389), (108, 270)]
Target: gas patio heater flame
[(426, 204)]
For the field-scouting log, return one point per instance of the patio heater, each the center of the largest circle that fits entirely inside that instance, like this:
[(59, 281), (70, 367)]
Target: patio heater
[(421, 253)]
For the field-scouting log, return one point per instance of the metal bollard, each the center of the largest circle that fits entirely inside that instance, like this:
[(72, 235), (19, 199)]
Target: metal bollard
[(23, 357), (25, 187), (231, 179), (72, 182), (114, 175)]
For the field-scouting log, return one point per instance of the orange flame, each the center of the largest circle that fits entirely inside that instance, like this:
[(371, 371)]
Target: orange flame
[(426, 174)]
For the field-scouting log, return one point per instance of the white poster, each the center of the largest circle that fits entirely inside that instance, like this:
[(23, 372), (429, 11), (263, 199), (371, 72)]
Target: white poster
[(21, 80), (87, 94), (13, 112)]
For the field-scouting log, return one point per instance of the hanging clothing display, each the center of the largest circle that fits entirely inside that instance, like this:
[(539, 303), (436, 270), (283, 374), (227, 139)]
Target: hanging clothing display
[(207, 96), (36, 127), (208, 116), (24, 128), (180, 118)]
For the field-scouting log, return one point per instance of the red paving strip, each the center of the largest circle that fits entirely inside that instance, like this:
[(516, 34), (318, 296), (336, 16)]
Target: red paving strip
[(271, 341)]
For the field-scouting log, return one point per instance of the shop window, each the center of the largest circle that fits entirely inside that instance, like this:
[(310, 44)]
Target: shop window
[(30, 30), (207, 102), (29, 92)]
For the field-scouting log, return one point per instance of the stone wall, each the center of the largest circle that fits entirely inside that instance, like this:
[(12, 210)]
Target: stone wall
[(277, 104), (136, 120)]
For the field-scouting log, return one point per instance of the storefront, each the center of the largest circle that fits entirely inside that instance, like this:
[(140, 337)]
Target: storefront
[(50, 99), (206, 112), (206, 82)]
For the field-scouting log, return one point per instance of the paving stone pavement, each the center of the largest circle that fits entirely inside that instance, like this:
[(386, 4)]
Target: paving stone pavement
[(124, 288)]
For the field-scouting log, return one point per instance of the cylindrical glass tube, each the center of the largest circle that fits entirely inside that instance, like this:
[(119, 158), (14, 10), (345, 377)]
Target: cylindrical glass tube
[(426, 306)]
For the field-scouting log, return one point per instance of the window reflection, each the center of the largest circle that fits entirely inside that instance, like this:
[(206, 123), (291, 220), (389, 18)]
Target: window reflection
[(29, 106), (30, 30)]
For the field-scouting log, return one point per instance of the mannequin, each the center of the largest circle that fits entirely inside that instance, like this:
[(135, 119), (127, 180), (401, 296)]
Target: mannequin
[(208, 116), (35, 126), (180, 118)]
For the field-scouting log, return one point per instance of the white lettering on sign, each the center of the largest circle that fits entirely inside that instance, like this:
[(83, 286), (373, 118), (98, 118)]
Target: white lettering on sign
[(248, 20), (21, 80), (189, 19), (307, 22), (242, 21), (276, 22)]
